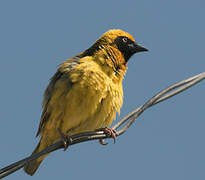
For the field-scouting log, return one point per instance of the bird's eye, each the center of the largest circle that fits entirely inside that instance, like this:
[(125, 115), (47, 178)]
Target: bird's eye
[(124, 40)]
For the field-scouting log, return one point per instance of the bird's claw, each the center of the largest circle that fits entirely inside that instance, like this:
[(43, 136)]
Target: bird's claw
[(65, 139), (109, 132), (101, 141)]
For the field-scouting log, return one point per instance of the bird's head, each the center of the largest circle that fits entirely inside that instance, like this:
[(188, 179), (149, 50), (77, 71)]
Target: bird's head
[(113, 50), (123, 42)]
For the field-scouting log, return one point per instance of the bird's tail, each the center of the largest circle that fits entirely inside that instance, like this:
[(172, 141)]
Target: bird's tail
[(32, 166)]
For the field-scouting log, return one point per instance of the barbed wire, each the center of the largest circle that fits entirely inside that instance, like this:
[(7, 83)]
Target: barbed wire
[(120, 127)]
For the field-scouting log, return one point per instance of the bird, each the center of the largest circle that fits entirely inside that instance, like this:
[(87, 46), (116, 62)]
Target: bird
[(86, 92)]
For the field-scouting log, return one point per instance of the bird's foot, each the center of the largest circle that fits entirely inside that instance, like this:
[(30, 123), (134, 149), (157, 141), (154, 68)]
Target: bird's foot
[(65, 139), (110, 132)]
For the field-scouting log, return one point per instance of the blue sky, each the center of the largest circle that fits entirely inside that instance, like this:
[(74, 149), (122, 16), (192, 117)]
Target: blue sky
[(166, 142)]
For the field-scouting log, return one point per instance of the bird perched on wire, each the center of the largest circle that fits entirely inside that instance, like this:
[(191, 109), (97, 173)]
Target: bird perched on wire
[(86, 91)]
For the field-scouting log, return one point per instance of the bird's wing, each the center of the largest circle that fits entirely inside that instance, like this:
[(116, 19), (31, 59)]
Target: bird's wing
[(50, 91)]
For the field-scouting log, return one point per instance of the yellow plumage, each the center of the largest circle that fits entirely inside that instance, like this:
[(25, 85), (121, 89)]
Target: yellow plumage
[(86, 91)]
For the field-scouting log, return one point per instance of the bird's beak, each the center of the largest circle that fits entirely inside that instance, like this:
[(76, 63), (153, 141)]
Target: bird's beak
[(138, 48)]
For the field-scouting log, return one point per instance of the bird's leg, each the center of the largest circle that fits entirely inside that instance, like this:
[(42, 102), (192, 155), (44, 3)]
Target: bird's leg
[(108, 131), (65, 139)]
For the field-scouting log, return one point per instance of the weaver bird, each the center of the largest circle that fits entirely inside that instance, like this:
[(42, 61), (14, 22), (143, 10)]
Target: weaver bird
[(86, 91)]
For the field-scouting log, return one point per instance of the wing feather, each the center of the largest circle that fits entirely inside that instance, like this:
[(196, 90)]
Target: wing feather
[(60, 75)]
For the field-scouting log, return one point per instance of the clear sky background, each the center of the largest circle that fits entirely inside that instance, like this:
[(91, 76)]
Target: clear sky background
[(165, 143)]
